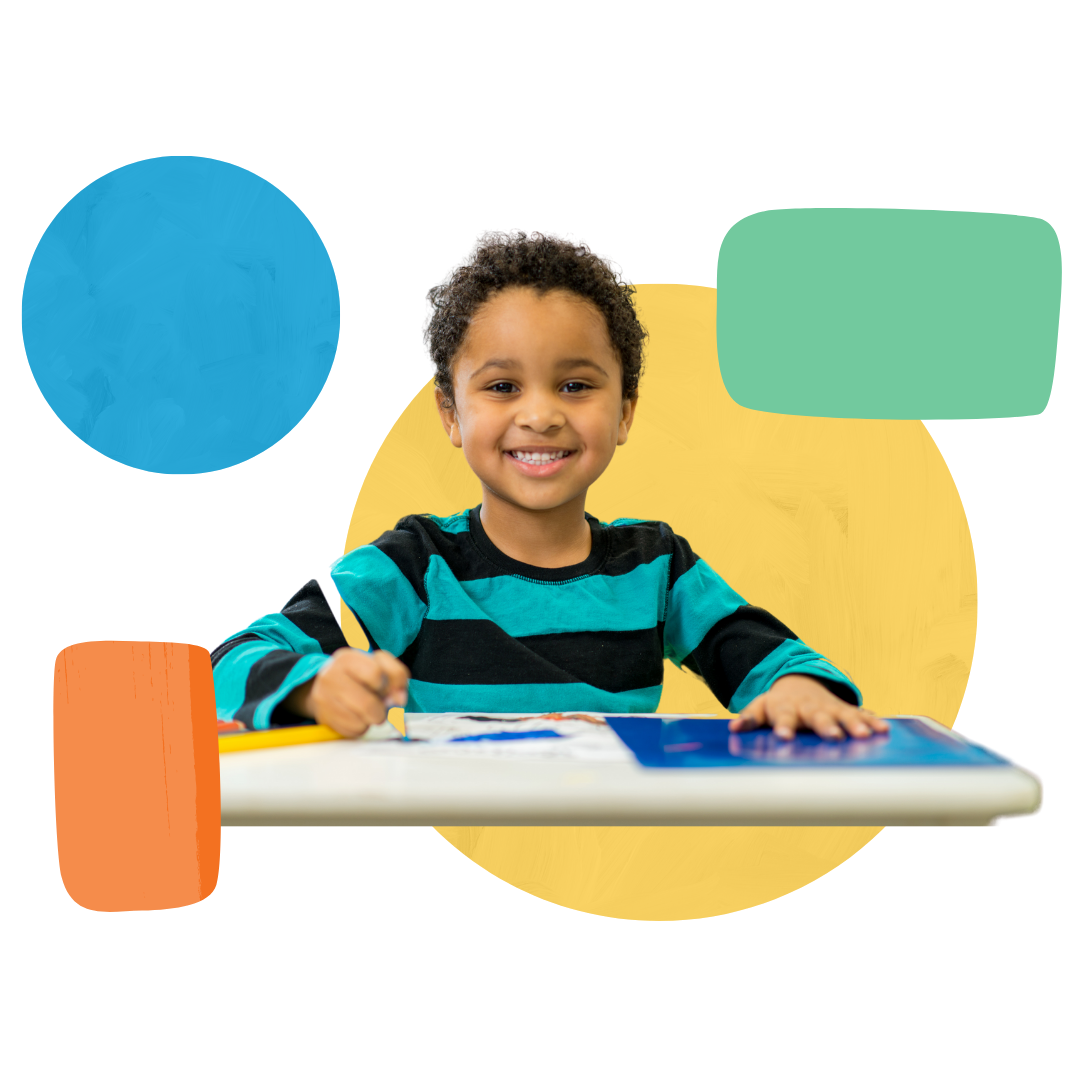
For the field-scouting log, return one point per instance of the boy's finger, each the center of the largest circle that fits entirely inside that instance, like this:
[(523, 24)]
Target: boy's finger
[(753, 716), (378, 672), (854, 723), (395, 684), (824, 723), (785, 720), (358, 666), (874, 721)]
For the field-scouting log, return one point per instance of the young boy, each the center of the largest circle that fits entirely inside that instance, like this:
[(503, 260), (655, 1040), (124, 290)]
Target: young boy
[(527, 603)]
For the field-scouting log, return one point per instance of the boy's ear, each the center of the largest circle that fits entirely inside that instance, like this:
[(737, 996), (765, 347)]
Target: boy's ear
[(629, 406), (448, 416)]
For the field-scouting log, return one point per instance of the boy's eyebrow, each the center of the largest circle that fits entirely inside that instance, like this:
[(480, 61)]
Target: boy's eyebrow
[(575, 362)]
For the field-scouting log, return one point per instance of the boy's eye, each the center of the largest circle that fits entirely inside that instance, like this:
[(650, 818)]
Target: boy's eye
[(495, 386), (502, 387), (575, 387)]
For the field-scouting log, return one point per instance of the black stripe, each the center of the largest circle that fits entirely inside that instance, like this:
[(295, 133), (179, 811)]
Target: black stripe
[(682, 559), (734, 647), (637, 545), (309, 612), (476, 651), (266, 675), (471, 556)]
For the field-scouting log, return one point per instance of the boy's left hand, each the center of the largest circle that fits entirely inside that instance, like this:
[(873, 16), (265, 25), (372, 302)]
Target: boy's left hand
[(797, 701)]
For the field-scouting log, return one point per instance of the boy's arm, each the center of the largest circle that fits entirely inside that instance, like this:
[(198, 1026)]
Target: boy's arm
[(744, 653), (257, 669), (740, 650)]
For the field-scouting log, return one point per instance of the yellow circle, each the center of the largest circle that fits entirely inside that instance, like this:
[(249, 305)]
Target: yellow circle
[(849, 531)]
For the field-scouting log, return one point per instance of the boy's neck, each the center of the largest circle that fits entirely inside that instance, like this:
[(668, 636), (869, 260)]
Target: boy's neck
[(545, 538)]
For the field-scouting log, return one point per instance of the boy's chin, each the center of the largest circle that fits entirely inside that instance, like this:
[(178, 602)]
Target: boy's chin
[(536, 501)]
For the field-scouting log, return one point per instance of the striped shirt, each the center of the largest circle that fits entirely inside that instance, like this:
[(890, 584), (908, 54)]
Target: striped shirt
[(481, 631)]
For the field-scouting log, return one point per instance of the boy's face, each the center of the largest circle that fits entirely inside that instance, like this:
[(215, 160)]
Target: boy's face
[(538, 404)]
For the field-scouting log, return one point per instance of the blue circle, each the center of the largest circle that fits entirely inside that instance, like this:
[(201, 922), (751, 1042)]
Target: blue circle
[(180, 315)]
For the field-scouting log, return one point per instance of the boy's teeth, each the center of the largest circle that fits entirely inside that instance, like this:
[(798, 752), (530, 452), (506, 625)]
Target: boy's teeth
[(533, 458)]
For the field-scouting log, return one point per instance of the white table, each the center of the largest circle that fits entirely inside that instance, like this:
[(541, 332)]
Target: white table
[(357, 783)]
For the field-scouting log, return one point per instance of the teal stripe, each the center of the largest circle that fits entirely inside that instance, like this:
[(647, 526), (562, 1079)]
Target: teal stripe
[(380, 596), (698, 601), (790, 658), (528, 697), (231, 675), (231, 672), (633, 601)]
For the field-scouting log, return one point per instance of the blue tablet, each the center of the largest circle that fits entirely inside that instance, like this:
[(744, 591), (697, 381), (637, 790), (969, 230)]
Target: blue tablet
[(693, 742)]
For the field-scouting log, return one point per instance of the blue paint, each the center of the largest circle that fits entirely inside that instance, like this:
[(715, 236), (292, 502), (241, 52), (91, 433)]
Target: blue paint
[(180, 315), (500, 736)]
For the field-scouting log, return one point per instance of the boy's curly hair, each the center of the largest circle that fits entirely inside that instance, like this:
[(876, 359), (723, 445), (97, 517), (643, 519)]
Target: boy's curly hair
[(505, 260)]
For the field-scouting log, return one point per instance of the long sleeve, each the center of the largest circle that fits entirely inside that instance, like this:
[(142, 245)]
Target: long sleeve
[(740, 650), (256, 669)]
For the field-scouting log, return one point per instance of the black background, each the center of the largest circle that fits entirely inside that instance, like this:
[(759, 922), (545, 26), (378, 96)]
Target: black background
[(139, 556)]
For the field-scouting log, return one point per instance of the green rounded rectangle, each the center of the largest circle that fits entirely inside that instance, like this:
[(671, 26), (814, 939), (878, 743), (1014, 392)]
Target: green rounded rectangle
[(889, 314)]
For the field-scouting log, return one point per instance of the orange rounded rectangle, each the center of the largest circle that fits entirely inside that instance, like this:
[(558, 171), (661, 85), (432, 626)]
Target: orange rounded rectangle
[(135, 757)]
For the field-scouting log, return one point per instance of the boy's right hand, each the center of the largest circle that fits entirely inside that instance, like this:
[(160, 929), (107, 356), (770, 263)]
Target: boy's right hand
[(353, 691)]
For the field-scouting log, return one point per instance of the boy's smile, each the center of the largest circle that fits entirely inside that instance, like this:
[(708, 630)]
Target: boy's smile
[(538, 461), (538, 404)]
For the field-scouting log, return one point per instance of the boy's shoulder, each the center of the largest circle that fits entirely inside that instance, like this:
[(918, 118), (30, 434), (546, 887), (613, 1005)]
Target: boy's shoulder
[(433, 525), (637, 525), (637, 539), (641, 530)]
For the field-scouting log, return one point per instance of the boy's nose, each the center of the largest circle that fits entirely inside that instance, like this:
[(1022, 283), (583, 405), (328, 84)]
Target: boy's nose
[(540, 416)]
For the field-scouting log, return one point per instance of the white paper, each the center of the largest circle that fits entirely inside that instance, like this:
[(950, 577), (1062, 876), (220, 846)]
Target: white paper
[(434, 734)]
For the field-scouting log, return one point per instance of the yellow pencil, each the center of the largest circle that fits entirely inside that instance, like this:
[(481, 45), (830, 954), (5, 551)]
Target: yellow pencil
[(288, 736), (292, 736)]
